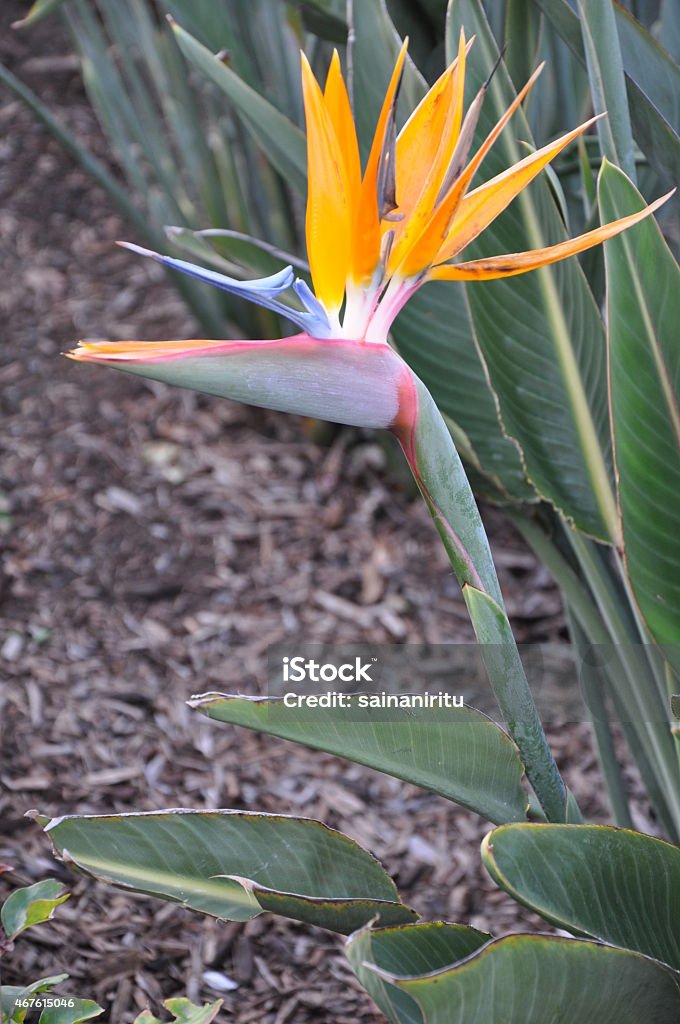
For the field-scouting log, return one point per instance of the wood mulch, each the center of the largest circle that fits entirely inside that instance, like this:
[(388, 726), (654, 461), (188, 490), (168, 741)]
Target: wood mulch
[(156, 543)]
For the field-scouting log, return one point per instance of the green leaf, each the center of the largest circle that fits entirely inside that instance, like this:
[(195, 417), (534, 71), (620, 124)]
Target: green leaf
[(607, 82), (39, 10), (457, 752), (643, 304), (281, 140), (82, 1010), (183, 1012), (407, 950), (234, 865), (539, 979), (11, 994), (540, 333), (670, 28), (675, 705), (31, 905), (597, 881), (325, 18), (652, 82)]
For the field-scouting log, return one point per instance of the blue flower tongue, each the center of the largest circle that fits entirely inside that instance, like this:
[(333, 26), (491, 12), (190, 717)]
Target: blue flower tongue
[(265, 291)]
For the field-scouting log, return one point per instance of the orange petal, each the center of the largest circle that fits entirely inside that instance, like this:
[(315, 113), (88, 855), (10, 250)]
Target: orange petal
[(521, 262), (480, 207), (367, 236), (434, 237), (475, 163), (340, 112), (328, 221), (126, 351), (424, 151), (419, 141)]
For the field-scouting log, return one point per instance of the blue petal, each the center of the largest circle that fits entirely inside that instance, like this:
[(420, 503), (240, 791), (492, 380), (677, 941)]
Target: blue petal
[(264, 291), (309, 299)]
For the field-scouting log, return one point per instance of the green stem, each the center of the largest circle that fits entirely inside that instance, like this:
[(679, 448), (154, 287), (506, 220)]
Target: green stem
[(440, 476)]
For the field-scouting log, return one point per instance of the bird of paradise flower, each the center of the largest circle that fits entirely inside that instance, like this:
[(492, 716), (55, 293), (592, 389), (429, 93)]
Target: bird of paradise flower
[(374, 237)]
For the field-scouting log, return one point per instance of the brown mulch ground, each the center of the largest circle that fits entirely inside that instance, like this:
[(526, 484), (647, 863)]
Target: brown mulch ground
[(156, 543)]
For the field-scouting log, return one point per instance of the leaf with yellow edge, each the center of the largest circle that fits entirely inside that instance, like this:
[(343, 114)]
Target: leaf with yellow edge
[(31, 905), (532, 979), (183, 1012), (235, 864)]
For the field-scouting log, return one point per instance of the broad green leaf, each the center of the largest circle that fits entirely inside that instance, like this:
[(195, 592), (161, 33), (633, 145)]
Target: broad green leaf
[(433, 332), (183, 1012), (11, 994), (456, 752), (81, 1011), (643, 305), (234, 865), (540, 334), (32, 905), (540, 979), (407, 950), (511, 688), (39, 10), (281, 140), (597, 881)]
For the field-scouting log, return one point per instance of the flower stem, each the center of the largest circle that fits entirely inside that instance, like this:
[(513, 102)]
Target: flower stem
[(441, 478)]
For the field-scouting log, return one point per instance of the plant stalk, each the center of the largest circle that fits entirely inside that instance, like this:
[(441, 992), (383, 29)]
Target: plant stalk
[(441, 478)]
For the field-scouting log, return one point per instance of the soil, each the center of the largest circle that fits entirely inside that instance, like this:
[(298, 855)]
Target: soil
[(155, 544)]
